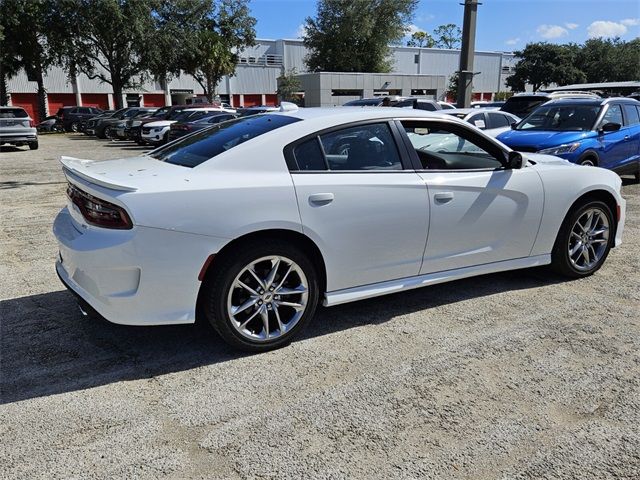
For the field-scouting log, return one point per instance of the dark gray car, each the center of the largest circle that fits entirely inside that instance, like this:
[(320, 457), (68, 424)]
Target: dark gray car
[(17, 128)]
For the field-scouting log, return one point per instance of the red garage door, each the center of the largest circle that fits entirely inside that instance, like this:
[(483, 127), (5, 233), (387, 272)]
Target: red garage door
[(271, 100), (252, 100), (98, 100), (57, 100), (28, 101), (153, 99)]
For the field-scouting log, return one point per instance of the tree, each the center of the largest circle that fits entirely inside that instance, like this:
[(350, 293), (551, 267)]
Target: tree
[(542, 64), (110, 40), (9, 64), (447, 36), (452, 88), (609, 60), (354, 35), (224, 29), (28, 22), (422, 40), (288, 86)]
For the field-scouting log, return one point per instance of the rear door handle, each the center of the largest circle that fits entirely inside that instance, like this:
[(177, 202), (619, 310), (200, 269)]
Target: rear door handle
[(443, 197), (626, 137), (321, 198)]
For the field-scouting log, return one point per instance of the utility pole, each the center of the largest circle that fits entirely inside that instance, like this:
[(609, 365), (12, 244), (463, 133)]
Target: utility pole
[(465, 73)]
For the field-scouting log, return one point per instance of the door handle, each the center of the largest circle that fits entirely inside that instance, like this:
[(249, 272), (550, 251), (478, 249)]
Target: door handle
[(443, 197), (320, 199), (626, 137)]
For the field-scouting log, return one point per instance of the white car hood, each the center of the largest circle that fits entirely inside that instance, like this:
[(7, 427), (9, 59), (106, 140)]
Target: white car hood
[(541, 158)]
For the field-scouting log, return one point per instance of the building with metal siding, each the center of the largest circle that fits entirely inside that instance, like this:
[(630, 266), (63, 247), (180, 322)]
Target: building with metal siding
[(255, 79)]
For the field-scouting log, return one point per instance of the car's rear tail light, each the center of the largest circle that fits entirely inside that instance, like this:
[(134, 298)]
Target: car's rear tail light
[(99, 212)]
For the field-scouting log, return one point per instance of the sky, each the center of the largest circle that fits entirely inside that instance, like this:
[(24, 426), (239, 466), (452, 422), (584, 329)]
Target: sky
[(503, 25)]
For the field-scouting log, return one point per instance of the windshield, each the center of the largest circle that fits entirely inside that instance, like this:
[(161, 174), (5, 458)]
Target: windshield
[(200, 147), (561, 118), (522, 106)]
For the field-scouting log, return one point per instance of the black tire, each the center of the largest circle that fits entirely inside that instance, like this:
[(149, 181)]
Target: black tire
[(100, 133), (33, 145), (75, 127), (107, 132), (217, 286), (560, 261)]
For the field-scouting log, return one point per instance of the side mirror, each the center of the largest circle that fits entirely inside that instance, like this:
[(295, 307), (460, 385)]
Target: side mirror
[(516, 160), (514, 125), (610, 127)]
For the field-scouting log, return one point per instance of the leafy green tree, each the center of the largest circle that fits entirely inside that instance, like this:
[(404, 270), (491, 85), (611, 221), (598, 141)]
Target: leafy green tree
[(609, 60), (542, 64), (447, 36), (26, 25), (224, 29), (110, 40), (9, 64), (421, 39), (288, 86), (354, 35), (452, 87)]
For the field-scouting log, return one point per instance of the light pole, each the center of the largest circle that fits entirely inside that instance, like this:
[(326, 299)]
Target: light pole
[(465, 72)]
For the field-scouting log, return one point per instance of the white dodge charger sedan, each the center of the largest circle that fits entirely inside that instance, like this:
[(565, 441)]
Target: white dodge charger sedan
[(251, 223)]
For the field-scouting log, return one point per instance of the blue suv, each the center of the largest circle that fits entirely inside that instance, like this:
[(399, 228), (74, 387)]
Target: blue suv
[(598, 132)]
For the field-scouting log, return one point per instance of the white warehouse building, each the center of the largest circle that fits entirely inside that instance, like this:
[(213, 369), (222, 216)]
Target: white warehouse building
[(425, 70)]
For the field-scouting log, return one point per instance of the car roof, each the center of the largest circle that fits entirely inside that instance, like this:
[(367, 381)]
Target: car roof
[(354, 114)]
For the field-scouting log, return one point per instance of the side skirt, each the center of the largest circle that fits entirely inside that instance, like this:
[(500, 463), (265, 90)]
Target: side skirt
[(393, 286)]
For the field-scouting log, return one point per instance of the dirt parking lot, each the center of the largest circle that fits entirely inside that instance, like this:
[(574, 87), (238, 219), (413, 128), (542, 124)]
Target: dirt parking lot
[(519, 375)]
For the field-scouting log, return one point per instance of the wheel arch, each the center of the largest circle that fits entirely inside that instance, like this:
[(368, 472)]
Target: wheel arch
[(589, 154), (299, 239), (603, 196)]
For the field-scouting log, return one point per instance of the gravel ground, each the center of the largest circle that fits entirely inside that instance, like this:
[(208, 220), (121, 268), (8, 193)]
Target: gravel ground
[(519, 375)]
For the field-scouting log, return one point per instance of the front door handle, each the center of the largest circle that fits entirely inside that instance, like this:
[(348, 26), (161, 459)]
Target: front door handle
[(626, 137), (320, 199), (443, 197)]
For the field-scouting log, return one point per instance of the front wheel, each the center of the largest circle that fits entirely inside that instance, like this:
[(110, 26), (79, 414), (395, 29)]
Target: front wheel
[(584, 240), (75, 126), (262, 296)]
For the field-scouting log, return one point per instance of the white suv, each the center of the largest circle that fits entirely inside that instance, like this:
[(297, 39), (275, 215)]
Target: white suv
[(17, 128)]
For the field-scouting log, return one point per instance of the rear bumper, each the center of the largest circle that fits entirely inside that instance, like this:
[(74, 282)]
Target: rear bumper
[(143, 276), (19, 137)]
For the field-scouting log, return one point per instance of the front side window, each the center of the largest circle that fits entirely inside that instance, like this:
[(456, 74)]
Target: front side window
[(441, 146), (497, 120), (612, 115), (195, 149)]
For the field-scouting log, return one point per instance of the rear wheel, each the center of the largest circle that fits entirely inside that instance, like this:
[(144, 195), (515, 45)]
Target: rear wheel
[(262, 296), (33, 145), (75, 126), (108, 133), (584, 240)]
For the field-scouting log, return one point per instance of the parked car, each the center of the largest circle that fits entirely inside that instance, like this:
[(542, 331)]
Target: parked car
[(119, 130), (134, 126), (446, 105), (249, 224), (70, 118), (180, 129), (17, 128), (90, 123), (382, 101), (49, 124), (486, 104), (491, 121), (522, 104), (419, 104), (592, 132), (104, 126), (157, 133), (248, 111)]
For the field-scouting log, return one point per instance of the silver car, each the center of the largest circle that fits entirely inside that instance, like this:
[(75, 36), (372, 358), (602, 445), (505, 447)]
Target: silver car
[(17, 128)]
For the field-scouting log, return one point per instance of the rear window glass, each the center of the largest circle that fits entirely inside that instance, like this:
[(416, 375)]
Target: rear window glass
[(200, 147), (13, 113), (522, 106)]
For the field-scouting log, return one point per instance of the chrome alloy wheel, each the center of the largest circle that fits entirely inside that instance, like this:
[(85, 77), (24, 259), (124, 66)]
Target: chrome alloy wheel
[(267, 298), (588, 239)]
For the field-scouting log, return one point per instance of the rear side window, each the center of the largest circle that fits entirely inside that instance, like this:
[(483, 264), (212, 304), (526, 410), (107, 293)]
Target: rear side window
[(364, 147), (632, 114), (478, 121), (13, 113), (497, 120), (309, 156), (206, 144)]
